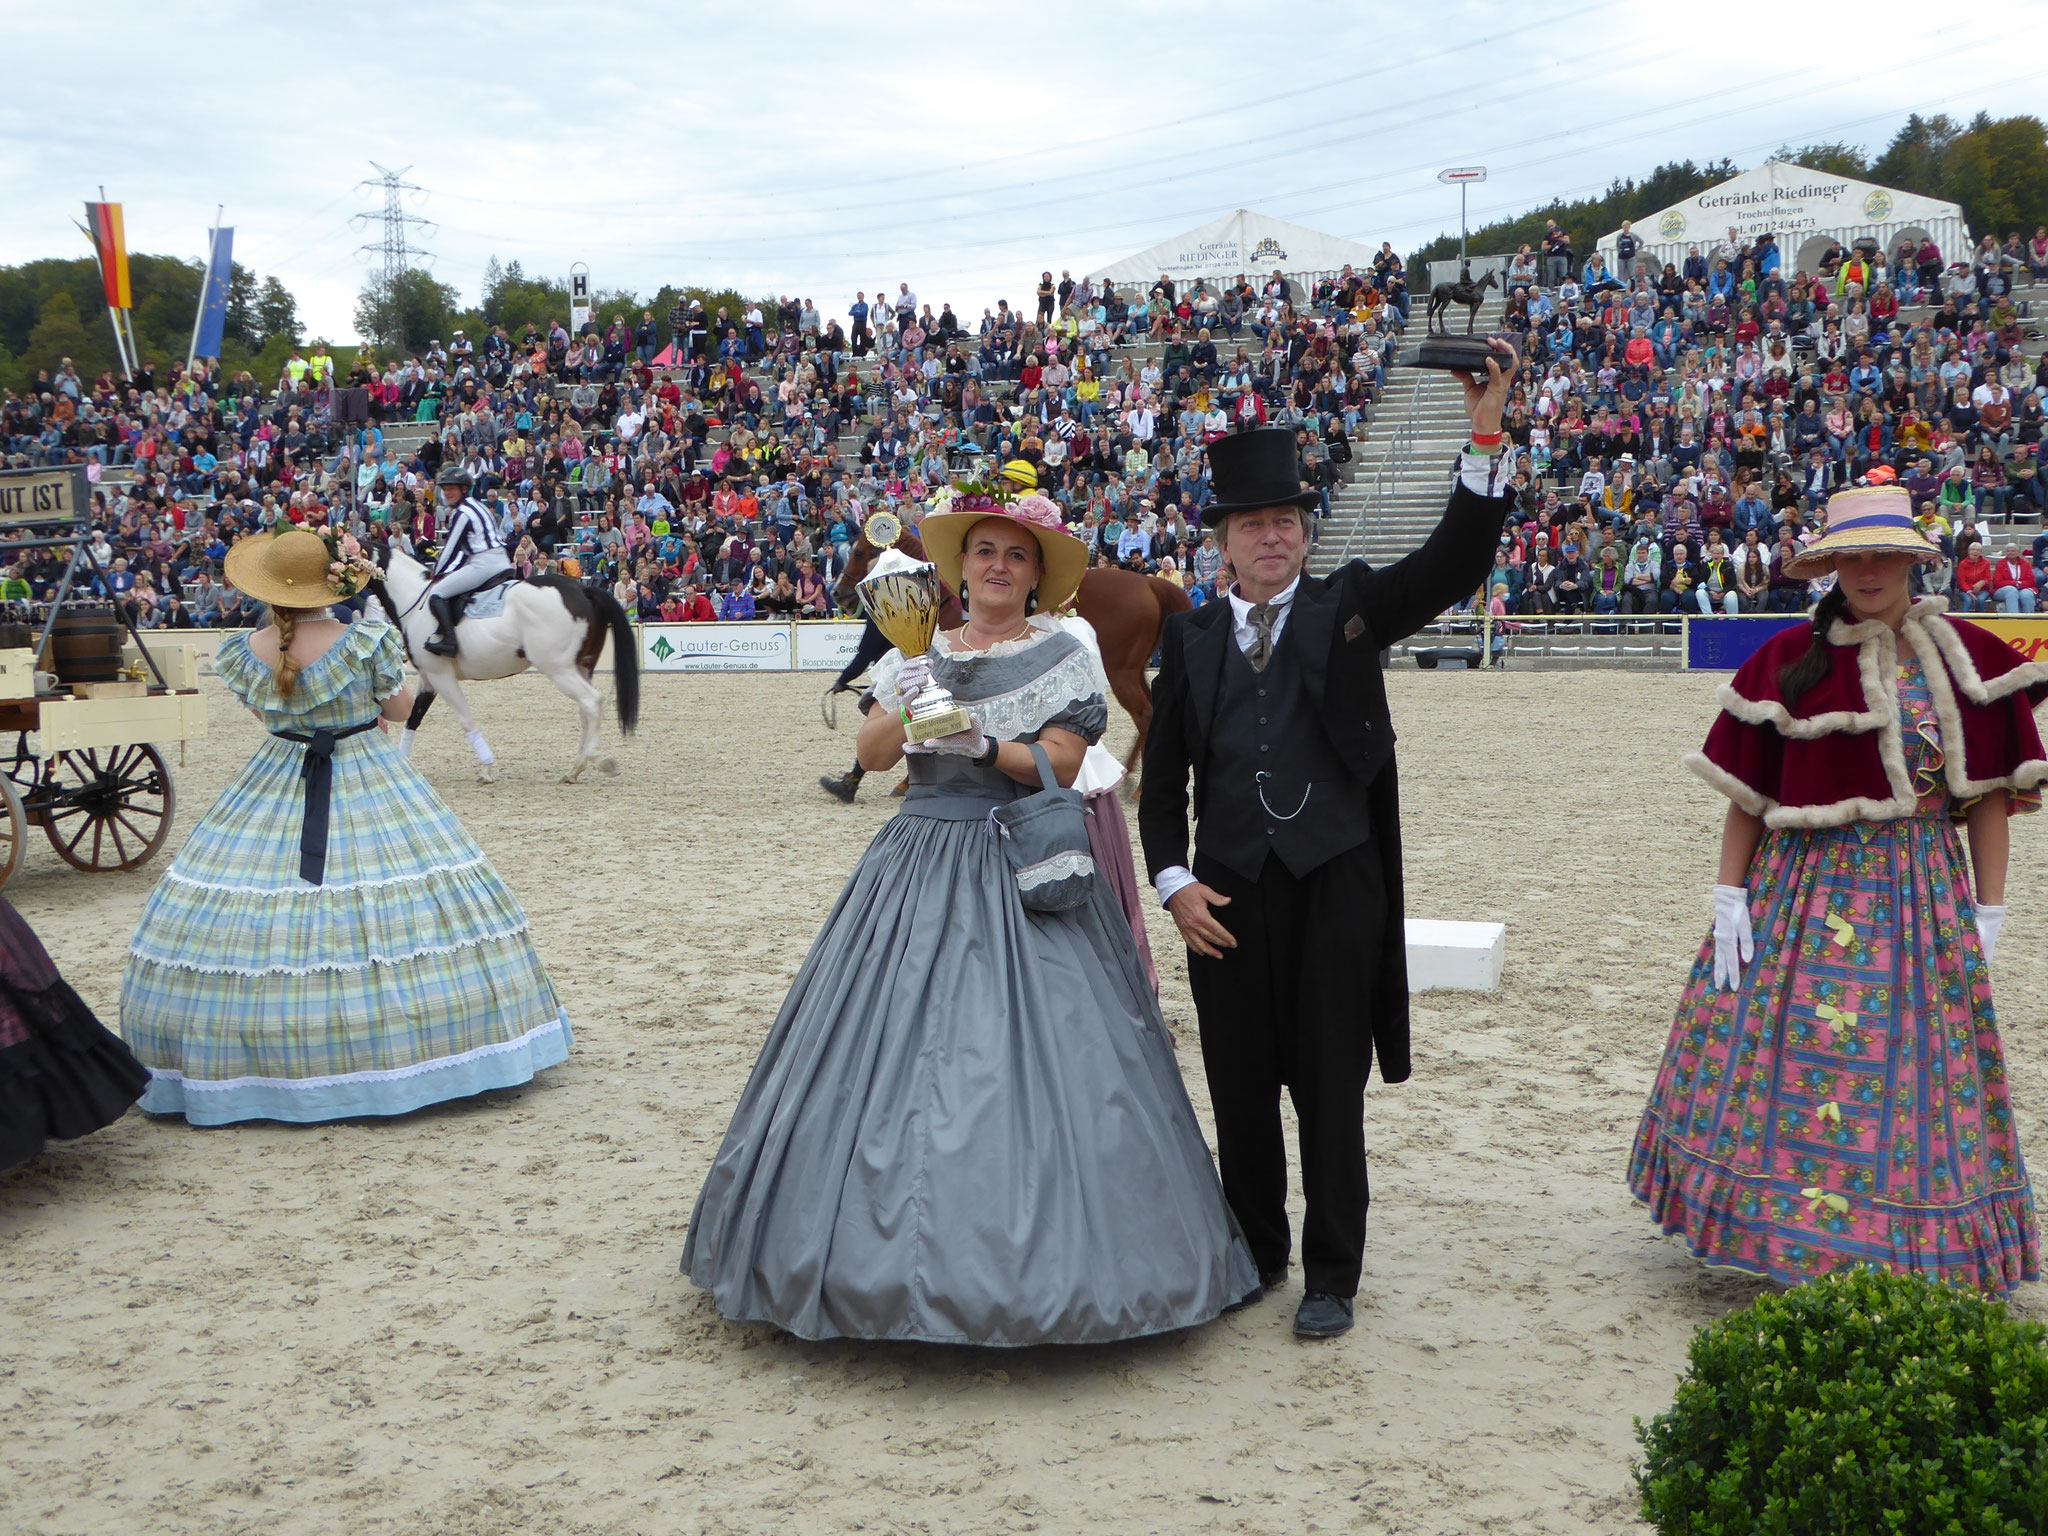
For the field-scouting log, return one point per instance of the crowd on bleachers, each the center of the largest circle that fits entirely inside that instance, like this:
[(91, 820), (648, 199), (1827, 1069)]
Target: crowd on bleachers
[(1683, 424), (720, 465), (1680, 427)]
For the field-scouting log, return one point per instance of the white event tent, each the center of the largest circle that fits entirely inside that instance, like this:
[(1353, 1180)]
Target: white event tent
[(1238, 242), (1807, 210)]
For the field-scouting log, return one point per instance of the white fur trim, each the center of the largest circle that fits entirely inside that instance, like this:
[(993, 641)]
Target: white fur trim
[(1957, 657), (1877, 657), (1942, 653), (1724, 781)]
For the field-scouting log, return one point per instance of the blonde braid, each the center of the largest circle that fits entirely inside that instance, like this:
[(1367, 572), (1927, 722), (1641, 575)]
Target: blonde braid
[(287, 669)]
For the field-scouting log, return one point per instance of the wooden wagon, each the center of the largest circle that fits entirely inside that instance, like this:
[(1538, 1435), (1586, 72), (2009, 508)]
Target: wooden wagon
[(86, 765)]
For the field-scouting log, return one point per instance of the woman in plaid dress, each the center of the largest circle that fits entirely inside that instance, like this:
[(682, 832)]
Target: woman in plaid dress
[(329, 942)]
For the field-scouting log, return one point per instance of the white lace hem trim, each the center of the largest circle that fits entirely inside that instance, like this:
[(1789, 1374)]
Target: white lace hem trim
[(345, 1079), (315, 890), (139, 953), (1060, 866)]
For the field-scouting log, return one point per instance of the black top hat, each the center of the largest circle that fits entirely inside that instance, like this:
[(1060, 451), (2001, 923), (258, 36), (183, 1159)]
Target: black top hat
[(1251, 470)]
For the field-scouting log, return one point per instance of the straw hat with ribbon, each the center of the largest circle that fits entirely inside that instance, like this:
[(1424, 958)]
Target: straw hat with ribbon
[(1871, 518), (1066, 558), (294, 569)]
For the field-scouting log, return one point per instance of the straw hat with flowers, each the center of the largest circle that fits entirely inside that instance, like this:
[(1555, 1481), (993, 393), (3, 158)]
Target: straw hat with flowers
[(944, 534), (297, 568), (1869, 518)]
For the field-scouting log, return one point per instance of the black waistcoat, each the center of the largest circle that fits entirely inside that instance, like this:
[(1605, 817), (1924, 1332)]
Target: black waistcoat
[(1307, 808)]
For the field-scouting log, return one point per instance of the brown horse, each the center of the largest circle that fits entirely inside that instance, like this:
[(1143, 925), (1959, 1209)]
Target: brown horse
[(1126, 610)]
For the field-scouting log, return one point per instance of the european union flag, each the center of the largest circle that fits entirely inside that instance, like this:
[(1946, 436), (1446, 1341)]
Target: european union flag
[(213, 296)]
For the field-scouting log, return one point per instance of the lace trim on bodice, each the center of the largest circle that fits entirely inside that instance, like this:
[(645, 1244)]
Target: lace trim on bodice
[(1075, 684)]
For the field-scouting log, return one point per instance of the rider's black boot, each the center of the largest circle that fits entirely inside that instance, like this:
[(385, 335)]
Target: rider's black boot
[(442, 642)]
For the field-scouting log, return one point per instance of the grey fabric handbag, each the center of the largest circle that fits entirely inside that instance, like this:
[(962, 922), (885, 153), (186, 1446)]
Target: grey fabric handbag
[(1045, 838)]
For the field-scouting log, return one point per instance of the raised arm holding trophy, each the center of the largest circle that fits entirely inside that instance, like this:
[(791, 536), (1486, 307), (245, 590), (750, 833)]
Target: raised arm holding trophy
[(1291, 908)]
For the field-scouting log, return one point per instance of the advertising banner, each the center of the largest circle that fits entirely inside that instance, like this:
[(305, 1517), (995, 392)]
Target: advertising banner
[(826, 647), (715, 648), (2028, 636), (1725, 643)]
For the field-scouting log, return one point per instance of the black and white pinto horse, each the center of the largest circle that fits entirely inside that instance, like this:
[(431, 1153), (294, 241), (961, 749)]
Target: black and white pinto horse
[(1464, 291), (550, 623)]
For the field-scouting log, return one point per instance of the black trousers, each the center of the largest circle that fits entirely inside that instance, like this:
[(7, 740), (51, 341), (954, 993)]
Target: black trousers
[(1288, 1008)]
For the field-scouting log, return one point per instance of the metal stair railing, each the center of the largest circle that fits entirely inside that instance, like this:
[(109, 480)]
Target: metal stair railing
[(1393, 466)]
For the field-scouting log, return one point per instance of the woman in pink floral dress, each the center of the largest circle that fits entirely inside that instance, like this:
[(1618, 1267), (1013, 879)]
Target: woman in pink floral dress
[(1834, 1094)]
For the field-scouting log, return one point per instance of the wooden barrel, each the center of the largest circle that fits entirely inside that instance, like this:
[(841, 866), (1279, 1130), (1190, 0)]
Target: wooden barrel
[(85, 646)]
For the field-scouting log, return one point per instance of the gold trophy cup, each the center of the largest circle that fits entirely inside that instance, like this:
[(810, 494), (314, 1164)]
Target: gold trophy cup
[(902, 597)]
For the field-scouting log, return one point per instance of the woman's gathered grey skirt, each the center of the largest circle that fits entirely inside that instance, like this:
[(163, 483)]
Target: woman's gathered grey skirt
[(967, 1126)]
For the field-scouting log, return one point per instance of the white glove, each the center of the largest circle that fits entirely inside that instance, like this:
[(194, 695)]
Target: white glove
[(915, 677), (1734, 945), (1989, 921), (971, 742)]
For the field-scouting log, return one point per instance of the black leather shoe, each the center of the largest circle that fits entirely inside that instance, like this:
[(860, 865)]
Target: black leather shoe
[(839, 787), (1273, 1279), (1322, 1316)]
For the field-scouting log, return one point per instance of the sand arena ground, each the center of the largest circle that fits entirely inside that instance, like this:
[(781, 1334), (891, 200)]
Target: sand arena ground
[(469, 1321)]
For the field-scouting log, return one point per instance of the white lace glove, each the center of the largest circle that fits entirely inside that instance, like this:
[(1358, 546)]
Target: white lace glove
[(1989, 921), (1734, 945), (971, 742), (913, 679)]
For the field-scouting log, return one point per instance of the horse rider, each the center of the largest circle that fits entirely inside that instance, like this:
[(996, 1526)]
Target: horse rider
[(471, 556)]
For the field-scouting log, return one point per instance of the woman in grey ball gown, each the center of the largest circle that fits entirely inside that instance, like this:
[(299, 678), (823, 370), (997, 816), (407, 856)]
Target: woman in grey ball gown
[(967, 1125)]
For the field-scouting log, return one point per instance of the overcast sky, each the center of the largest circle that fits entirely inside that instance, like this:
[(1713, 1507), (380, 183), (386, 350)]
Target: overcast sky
[(820, 148)]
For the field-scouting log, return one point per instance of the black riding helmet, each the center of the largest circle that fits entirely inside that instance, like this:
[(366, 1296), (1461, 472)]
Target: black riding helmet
[(454, 474)]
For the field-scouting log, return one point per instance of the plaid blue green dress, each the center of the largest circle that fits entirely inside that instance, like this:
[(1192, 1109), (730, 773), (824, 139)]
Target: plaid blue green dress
[(405, 978)]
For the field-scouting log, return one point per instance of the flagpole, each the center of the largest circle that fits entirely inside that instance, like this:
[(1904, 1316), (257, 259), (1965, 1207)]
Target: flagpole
[(205, 282)]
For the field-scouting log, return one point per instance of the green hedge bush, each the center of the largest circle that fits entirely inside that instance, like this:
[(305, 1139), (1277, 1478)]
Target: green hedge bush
[(1864, 1403)]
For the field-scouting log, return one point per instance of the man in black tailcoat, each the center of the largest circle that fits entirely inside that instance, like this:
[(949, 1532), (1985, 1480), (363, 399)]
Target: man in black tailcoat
[(1272, 697)]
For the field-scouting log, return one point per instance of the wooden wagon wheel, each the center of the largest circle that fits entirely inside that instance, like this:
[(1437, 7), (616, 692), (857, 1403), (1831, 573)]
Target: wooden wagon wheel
[(109, 807), (13, 830)]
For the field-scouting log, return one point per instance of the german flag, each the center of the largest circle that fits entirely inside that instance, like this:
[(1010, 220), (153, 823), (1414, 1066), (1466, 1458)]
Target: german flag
[(109, 238)]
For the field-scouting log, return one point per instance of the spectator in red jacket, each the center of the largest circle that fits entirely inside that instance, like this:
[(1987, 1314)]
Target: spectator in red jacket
[(2012, 582), (1973, 580), (697, 608)]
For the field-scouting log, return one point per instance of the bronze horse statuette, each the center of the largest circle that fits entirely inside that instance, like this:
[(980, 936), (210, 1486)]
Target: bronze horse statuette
[(1464, 291)]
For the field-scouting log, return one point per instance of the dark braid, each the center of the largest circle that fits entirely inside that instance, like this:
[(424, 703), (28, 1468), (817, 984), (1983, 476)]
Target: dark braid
[(1795, 677)]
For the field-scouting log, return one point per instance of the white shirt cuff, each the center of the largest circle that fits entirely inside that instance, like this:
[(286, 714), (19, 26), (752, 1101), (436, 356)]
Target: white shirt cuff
[(1171, 881), (1483, 474)]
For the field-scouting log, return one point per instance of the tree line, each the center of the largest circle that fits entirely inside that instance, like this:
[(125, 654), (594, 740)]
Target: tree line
[(56, 308), (415, 308), (1996, 168)]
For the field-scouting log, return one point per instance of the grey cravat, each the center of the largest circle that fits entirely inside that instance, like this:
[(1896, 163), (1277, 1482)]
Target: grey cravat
[(1261, 652)]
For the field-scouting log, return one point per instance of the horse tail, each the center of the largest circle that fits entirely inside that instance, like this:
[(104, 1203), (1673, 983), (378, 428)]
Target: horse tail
[(625, 658)]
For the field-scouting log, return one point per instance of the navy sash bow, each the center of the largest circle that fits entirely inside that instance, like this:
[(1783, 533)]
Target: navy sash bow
[(318, 773)]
